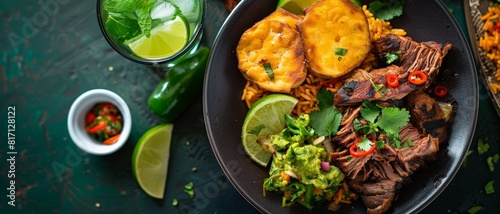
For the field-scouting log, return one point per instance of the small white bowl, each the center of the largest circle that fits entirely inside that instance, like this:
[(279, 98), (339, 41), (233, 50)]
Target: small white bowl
[(76, 121)]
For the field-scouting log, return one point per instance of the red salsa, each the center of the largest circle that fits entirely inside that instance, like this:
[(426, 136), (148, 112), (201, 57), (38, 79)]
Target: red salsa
[(104, 122)]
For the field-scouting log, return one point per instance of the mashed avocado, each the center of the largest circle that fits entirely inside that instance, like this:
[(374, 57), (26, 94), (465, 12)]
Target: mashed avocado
[(296, 166)]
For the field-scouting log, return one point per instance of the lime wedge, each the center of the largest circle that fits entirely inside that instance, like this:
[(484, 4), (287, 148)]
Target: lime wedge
[(295, 6), (268, 116), (150, 159), (165, 40)]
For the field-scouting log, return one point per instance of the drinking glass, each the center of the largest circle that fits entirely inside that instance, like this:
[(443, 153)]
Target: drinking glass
[(152, 32)]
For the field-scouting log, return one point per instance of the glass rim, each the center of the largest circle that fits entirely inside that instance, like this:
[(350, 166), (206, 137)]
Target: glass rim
[(130, 56)]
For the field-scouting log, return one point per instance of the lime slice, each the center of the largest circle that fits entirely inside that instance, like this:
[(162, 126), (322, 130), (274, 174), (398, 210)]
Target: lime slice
[(268, 114), (150, 159), (165, 40), (295, 6)]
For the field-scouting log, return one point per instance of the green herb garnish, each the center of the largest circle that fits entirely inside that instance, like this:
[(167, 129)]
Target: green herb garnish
[(376, 86), (392, 56), (340, 51), (365, 144), (386, 9), (474, 209), (492, 160), (256, 130), (489, 187), (482, 147), (189, 189), (464, 164), (326, 120), (175, 202), (269, 70), (123, 12), (387, 120)]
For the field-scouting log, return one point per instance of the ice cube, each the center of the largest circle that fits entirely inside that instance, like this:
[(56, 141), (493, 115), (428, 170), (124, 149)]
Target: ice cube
[(189, 8), (163, 10)]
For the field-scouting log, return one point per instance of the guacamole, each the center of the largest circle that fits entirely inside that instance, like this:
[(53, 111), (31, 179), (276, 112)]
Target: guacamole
[(296, 166)]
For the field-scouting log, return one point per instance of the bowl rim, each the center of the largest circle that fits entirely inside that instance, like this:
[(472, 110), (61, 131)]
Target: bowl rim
[(192, 43), (211, 118), (75, 123)]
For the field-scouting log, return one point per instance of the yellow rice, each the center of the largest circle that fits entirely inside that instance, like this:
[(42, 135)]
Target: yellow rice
[(490, 41), (306, 93)]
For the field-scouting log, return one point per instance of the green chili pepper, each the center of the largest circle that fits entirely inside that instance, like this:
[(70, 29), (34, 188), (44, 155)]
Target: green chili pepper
[(181, 86)]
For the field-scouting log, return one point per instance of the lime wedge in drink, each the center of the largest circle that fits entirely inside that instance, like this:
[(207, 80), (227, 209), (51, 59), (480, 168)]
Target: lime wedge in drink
[(295, 6), (266, 116), (166, 39), (150, 160)]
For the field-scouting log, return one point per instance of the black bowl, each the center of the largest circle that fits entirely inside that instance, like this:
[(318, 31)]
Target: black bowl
[(224, 111)]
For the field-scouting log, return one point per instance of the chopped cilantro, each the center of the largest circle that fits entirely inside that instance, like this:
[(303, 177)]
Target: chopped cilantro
[(257, 129), (376, 86), (474, 209), (392, 56), (380, 144), (482, 147), (325, 98), (269, 70), (386, 120), (340, 51), (385, 91), (365, 144), (492, 160), (386, 9), (326, 120), (489, 187), (189, 189), (464, 164), (393, 119), (370, 111), (175, 202)]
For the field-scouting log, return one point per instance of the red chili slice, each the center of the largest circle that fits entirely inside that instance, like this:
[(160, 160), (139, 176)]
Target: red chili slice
[(356, 152), (440, 91), (417, 78), (98, 127), (392, 80)]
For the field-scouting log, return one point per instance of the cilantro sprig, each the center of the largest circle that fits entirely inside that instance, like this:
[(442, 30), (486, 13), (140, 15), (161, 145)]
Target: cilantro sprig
[(386, 120), (326, 120), (386, 9)]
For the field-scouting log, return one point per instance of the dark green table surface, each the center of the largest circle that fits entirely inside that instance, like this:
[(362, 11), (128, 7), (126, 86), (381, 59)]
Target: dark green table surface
[(52, 51)]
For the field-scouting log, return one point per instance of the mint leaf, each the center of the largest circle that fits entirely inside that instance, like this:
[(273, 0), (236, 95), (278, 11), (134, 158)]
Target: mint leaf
[(386, 9), (370, 111), (325, 98), (365, 144), (143, 16), (393, 119), (122, 27), (121, 6), (326, 121)]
